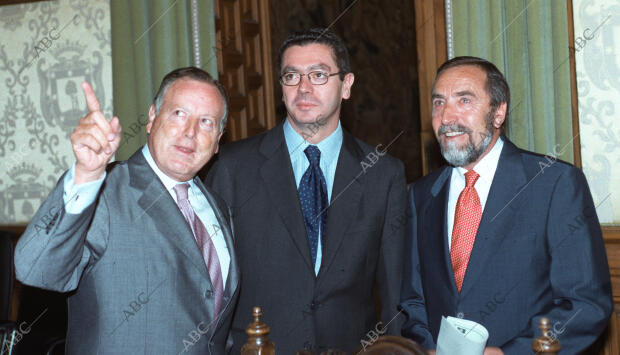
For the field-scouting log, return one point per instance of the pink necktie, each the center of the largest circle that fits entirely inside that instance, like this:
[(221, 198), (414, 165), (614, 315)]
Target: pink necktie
[(466, 221), (205, 244)]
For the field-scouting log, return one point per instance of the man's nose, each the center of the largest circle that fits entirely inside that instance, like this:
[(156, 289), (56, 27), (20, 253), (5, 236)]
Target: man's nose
[(448, 114), (191, 127), (304, 84)]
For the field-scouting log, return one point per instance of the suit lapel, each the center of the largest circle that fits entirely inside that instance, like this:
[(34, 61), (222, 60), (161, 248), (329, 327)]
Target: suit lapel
[(279, 180), (435, 226), (504, 197), (157, 203), (233, 271), (345, 198)]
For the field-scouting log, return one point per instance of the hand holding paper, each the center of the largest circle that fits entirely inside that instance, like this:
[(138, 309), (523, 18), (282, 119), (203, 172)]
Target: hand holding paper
[(461, 337)]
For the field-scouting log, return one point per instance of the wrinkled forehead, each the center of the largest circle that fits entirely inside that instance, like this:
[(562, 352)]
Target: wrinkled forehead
[(460, 78), (196, 95)]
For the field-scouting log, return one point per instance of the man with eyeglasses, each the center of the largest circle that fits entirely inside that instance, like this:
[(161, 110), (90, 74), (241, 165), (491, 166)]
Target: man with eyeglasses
[(316, 212)]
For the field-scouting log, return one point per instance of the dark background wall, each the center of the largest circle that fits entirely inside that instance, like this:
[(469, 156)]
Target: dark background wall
[(380, 37)]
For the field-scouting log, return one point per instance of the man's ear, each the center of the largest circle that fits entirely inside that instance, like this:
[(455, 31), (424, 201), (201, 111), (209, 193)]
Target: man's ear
[(217, 147), (347, 84), (500, 115), (151, 119)]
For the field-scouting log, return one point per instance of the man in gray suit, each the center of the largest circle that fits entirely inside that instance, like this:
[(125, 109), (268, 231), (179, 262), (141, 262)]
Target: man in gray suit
[(144, 248)]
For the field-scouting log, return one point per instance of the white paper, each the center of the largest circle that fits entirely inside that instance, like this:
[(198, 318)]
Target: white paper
[(461, 337)]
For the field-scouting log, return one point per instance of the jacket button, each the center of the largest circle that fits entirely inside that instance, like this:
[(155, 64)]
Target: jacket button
[(460, 315), (209, 294)]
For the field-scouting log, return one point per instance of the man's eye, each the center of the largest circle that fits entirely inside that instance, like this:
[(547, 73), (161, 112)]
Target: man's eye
[(319, 74), (206, 121), (289, 76), (465, 100), (437, 103), (179, 113)]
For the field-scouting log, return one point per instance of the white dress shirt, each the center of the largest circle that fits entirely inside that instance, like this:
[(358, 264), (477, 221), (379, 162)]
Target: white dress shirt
[(78, 197), (486, 169)]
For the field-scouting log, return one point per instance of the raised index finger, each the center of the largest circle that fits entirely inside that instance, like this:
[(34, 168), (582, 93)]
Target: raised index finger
[(91, 99)]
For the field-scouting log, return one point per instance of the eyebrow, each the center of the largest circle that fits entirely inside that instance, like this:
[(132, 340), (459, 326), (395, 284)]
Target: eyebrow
[(322, 66), (187, 110), (465, 93), (458, 94), (319, 66)]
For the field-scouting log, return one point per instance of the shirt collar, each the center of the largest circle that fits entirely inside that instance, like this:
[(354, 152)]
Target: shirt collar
[(329, 147), (488, 164), (168, 182)]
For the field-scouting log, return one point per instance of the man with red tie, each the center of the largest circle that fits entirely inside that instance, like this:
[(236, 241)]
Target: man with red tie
[(501, 236)]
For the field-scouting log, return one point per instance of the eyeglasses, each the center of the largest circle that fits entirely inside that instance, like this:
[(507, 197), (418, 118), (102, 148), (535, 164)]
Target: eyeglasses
[(315, 77)]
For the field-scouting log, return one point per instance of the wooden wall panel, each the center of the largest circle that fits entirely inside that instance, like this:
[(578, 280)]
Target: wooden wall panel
[(611, 235), (611, 338), (244, 65), (573, 86), (431, 48)]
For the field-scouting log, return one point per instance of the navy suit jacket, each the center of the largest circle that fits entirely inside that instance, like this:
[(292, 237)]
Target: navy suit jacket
[(538, 253), (336, 308)]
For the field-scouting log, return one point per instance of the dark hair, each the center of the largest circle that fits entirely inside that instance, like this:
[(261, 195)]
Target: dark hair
[(194, 74), (321, 36), (496, 86)]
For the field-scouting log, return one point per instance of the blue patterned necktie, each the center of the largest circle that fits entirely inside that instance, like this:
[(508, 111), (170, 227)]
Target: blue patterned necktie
[(313, 198)]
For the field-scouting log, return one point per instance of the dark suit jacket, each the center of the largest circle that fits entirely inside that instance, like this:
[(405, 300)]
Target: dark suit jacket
[(538, 252), (139, 282), (335, 309)]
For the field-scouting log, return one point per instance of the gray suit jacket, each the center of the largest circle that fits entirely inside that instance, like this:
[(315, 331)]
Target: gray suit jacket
[(138, 282), (362, 254)]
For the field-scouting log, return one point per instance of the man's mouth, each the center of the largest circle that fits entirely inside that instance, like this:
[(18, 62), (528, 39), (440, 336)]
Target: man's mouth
[(184, 150), (305, 105), (451, 131)]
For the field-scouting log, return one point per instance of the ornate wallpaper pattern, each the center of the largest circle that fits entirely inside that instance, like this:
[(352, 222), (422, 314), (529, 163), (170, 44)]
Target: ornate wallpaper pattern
[(46, 50), (597, 58)]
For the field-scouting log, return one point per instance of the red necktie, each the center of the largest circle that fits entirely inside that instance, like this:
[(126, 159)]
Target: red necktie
[(466, 221), (205, 244)]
